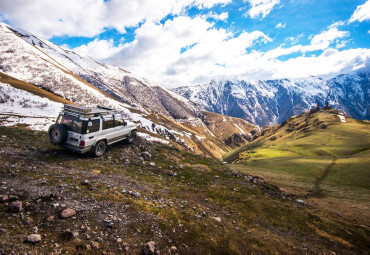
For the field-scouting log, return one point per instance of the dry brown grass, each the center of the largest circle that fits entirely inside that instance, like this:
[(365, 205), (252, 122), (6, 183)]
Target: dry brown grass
[(31, 88)]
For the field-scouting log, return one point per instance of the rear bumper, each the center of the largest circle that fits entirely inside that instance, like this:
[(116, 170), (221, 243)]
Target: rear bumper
[(77, 149)]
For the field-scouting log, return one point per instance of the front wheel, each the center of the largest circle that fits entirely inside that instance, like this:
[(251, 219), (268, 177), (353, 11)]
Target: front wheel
[(132, 137), (99, 148)]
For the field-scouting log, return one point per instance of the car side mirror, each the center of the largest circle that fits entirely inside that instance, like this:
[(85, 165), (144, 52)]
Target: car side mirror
[(125, 123)]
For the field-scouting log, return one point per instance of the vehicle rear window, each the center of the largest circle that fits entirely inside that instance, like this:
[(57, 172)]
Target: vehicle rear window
[(72, 124), (77, 126)]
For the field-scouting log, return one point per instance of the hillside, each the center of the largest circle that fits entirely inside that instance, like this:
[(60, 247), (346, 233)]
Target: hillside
[(114, 81), (177, 200), (233, 131), (271, 102), (51, 75), (322, 157)]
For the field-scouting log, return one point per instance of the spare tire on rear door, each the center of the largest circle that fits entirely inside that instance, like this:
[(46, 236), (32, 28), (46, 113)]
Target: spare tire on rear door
[(57, 134)]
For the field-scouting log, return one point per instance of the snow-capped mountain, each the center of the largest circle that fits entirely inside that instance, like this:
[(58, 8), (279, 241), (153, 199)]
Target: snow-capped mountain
[(114, 81), (273, 101), (37, 77)]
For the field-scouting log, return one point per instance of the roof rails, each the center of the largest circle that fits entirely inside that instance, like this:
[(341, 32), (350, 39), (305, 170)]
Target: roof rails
[(78, 110), (105, 108)]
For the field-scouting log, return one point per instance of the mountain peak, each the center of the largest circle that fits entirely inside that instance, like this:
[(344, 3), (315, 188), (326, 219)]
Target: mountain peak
[(272, 101)]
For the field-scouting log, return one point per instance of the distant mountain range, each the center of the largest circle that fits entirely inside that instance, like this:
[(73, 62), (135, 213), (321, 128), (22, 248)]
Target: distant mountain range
[(272, 101)]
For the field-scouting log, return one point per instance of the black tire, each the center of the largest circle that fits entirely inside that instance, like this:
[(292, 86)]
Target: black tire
[(132, 137), (57, 134), (100, 148)]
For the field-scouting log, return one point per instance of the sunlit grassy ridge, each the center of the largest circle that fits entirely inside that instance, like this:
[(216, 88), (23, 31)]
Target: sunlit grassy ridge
[(313, 155), (311, 135)]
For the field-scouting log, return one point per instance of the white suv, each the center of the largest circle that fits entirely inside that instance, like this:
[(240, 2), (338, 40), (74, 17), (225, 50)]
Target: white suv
[(85, 129)]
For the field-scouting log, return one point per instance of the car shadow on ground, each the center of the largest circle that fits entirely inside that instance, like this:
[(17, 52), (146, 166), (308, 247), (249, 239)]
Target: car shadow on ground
[(60, 152)]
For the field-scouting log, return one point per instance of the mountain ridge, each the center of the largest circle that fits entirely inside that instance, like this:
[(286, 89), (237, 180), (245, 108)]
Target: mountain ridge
[(114, 81), (272, 101)]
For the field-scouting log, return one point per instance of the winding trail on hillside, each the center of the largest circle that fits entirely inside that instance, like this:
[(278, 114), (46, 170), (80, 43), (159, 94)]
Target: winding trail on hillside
[(317, 190)]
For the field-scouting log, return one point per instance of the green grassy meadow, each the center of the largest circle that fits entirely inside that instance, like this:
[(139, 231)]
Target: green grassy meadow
[(314, 156)]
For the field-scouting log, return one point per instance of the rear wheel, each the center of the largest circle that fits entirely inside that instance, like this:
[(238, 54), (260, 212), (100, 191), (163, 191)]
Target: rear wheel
[(132, 137), (99, 148), (57, 134)]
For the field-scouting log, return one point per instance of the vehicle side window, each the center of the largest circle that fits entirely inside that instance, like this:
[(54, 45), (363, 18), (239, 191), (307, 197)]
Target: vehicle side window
[(108, 122), (119, 122), (92, 126)]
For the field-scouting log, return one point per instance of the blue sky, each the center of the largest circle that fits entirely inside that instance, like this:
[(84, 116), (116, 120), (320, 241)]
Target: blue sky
[(180, 42)]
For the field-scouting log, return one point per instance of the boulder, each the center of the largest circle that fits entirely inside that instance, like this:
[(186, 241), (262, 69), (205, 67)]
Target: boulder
[(173, 249), (149, 248), (126, 246), (4, 198), (50, 218), (146, 156), (85, 182), (300, 202), (218, 219), (16, 206), (34, 238), (95, 245), (68, 213)]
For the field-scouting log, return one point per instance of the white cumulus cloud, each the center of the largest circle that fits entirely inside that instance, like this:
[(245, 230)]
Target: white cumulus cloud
[(180, 51), (222, 16), (326, 37), (280, 25), (100, 49), (361, 13), (260, 8), (330, 63), (294, 39), (90, 17), (319, 42), (210, 3)]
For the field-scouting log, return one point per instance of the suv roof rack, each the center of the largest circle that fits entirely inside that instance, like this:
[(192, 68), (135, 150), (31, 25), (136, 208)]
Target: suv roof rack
[(78, 110)]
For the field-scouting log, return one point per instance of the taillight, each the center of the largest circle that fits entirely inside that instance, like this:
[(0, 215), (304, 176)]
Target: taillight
[(82, 143)]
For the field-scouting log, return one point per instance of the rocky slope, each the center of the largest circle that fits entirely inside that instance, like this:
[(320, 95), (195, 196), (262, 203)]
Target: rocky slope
[(54, 201), (272, 101)]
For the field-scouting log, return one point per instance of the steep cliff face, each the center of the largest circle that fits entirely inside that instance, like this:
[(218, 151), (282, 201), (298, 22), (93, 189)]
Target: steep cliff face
[(351, 93), (270, 102)]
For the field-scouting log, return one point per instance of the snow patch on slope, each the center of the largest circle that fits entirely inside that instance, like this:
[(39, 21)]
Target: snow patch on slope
[(21, 107), (342, 118)]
